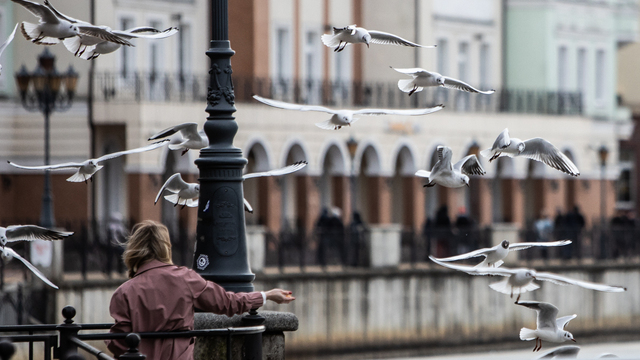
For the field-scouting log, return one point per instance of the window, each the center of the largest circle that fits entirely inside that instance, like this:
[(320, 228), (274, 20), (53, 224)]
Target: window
[(283, 54), (312, 67), (484, 67), (127, 62), (582, 72), (184, 45), (562, 69), (600, 69), (463, 61), (443, 59)]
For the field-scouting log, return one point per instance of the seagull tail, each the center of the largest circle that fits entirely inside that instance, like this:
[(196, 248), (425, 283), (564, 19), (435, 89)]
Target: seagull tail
[(327, 125), (173, 198), (176, 147), (192, 202), (330, 40), (502, 286), (407, 85), (527, 334), (485, 153), (31, 33), (77, 177)]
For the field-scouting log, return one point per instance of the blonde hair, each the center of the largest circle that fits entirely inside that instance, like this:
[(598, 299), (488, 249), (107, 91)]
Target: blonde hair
[(149, 241)]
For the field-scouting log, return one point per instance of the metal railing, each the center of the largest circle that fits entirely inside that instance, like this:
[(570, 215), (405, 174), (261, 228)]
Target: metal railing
[(166, 87), (63, 340)]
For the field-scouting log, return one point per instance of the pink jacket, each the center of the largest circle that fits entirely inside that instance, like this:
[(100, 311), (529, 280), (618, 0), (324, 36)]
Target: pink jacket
[(162, 297)]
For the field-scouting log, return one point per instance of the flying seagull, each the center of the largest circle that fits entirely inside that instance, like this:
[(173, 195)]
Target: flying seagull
[(191, 137), (446, 174), (423, 78), (89, 167), (51, 28), (548, 328), (342, 118), (15, 233), (90, 47), (182, 192), (7, 42), (353, 35), (187, 194), (519, 281), (495, 255), (537, 149)]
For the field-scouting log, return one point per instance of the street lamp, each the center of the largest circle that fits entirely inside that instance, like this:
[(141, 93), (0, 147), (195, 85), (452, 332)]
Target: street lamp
[(352, 146), (41, 91)]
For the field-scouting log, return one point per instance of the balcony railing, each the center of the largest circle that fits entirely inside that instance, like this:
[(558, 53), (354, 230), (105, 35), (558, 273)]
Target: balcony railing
[(155, 87)]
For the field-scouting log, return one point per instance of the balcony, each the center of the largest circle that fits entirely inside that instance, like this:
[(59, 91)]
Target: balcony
[(150, 87)]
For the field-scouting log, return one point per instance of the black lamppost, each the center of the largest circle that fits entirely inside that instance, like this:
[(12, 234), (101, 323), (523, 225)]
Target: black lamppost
[(352, 146), (603, 153), (41, 91), (221, 245)]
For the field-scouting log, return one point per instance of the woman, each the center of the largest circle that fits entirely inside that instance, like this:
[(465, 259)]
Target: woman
[(160, 296)]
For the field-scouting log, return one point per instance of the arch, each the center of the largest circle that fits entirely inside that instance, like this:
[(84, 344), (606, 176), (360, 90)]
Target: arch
[(367, 160), (261, 155), (436, 195), (294, 149), (291, 190), (339, 155), (404, 155)]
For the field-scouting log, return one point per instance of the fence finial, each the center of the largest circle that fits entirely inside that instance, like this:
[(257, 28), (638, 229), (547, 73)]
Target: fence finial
[(132, 340)]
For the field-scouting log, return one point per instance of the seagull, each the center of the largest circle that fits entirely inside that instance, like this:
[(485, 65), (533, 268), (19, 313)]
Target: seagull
[(451, 175), (192, 138), (495, 255), (7, 42), (90, 47), (548, 328), (352, 35), (342, 118), (519, 281), (183, 193), (89, 167), (15, 233), (187, 194), (423, 78), (562, 352), (537, 149), (51, 28)]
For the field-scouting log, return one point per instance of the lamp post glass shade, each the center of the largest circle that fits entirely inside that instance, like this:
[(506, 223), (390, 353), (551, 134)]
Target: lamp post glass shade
[(603, 153), (71, 80), (23, 78), (352, 146)]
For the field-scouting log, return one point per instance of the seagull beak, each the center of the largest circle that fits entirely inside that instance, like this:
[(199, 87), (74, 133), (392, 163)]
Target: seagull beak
[(574, 340), (467, 184), (367, 45)]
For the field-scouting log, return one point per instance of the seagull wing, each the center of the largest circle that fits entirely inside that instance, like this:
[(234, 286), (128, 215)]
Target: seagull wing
[(546, 313), (188, 130), (503, 141), (475, 270), (278, 172), (9, 39), (33, 269), (563, 321), (562, 280), (415, 72), (247, 206), (33, 232), (153, 146), (68, 165), (44, 13), (526, 245), (565, 352), (411, 112), (469, 165), (289, 106), (146, 32), (174, 184), (384, 38), (102, 32), (541, 150), (451, 83), (60, 15), (469, 255), (350, 29), (444, 153)]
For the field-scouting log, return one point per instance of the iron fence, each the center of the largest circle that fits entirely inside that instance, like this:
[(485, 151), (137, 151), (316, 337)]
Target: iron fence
[(166, 87), (61, 341)]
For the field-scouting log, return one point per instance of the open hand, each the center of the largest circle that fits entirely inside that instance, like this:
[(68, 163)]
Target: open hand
[(280, 296)]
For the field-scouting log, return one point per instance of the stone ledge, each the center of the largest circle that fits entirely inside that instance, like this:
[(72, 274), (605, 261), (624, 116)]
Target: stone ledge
[(274, 321)]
